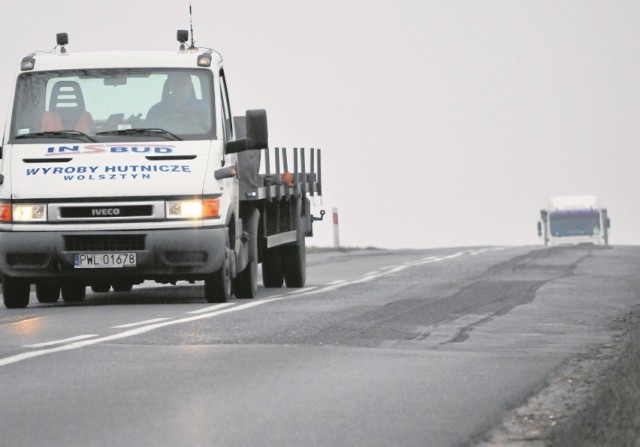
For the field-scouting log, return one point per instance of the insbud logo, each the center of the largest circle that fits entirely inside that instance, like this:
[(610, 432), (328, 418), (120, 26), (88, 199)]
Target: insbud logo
[(103, 149)]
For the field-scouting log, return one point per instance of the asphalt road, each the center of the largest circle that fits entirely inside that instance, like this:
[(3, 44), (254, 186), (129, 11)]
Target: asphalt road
[(414, 348)]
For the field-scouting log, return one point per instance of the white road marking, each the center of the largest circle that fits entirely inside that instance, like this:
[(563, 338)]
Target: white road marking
[(304, 290), (138, 323), (210, 308), (207, 312), (130, 333), (58, 342), (369, 276), (419, 261), (477, 252), (388, 267), (339, 281), (399, 268)]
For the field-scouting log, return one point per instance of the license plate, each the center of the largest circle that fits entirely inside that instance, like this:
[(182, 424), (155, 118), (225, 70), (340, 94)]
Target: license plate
[(104, 260)]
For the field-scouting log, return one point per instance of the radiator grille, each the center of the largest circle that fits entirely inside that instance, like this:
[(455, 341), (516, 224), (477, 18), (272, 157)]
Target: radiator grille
[(100, 213), (105, 243), (106, 211)]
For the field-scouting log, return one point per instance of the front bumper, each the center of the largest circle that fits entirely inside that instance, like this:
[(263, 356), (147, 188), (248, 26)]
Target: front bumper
[(167, 255)]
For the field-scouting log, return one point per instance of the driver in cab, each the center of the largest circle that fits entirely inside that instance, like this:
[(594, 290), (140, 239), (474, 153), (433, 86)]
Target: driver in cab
[(179, 110)]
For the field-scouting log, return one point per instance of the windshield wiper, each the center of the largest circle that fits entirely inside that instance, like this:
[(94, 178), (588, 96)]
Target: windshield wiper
[(71, 134), (147, 131)]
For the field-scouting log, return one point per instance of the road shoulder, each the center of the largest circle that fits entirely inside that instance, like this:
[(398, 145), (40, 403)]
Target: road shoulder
[(592, 400)]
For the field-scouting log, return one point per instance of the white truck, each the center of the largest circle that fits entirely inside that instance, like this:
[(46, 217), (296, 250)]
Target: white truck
[(121, 167), (574, 220)]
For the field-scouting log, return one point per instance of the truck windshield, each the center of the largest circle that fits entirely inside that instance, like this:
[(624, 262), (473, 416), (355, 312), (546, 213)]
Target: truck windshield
[(114, 105), (574, 223)]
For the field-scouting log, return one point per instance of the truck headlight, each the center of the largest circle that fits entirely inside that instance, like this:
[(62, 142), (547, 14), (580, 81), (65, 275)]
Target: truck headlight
[(193, 209), (29, 213)]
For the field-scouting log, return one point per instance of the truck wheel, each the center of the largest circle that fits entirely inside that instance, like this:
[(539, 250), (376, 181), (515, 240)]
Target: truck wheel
[(73, 292), (101, 287), (217, 285), (294, 256), (294, 263), (47, 292), (122, 286), (15, 292), (272, 268), (245, 285)]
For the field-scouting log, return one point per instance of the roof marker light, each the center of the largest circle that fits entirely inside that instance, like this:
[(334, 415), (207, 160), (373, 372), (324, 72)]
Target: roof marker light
[(204, 60), (28, 62)]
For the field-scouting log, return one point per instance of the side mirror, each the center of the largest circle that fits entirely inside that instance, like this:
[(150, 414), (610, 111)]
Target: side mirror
[(539, 229), (257, 134)]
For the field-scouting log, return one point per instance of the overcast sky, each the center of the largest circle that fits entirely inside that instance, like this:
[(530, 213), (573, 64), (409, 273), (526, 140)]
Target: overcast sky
[(442, 123)]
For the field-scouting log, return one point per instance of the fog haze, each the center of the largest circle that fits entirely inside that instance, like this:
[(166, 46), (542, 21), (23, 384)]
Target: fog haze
[(441, 123)]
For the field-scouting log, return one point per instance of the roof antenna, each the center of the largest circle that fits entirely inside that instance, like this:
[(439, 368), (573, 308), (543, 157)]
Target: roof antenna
[(193, 42)]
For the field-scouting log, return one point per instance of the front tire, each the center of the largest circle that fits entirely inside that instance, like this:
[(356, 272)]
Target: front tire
[(15, 292), (245, 285), (47, 292), (101, 287), (217, 285), (122, 286), (73, 292)]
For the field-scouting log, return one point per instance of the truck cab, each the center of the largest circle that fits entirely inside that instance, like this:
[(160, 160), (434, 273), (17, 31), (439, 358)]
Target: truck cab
[(570, 220), (118, 167)]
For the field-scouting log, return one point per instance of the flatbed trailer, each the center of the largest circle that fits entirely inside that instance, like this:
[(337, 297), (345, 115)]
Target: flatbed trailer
[(281, 193)]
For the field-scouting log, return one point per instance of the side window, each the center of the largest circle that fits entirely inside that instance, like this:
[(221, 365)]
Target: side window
[(29, 104), (226, 109)]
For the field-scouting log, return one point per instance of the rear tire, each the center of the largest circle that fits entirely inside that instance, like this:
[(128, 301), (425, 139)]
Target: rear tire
[(217, 285), (47, 292), (294, 255), (15, 292), (73, 292), (245, 285), (272, 267)]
